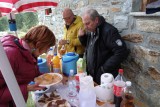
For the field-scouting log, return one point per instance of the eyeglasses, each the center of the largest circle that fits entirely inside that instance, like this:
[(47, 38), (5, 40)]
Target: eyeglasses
[(67, 18)]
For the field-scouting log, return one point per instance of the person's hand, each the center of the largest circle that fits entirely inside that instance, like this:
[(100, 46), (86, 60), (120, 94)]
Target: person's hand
[(34, 87), (63, 42), (81, 32)]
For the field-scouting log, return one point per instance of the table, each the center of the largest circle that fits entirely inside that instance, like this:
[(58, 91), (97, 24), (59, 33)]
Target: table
[(62, 90)]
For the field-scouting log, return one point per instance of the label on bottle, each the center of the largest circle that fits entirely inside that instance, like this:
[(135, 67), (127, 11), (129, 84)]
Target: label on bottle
[(117, 90), (56, 70), (77, 82)]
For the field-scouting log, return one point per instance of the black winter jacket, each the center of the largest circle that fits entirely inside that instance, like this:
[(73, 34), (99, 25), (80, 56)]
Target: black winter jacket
[(105, 50)]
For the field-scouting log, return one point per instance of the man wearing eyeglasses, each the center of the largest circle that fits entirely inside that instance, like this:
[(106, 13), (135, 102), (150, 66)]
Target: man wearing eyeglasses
[(70, 39)]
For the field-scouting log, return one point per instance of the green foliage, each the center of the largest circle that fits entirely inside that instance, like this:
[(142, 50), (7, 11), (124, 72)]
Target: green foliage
[(3, 24), (19, 21), (26, 20)]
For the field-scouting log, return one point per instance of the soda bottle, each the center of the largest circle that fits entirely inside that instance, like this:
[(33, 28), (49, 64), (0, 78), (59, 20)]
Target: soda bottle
[(56, 63), (118, 85), (127, 96)]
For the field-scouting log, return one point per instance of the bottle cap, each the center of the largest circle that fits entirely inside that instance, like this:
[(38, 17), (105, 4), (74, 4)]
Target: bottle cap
[(51, 48), (39, 60), (128, 83), (120, 71)]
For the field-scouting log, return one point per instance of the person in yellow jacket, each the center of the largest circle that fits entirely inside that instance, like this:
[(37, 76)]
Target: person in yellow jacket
[(70, 39)]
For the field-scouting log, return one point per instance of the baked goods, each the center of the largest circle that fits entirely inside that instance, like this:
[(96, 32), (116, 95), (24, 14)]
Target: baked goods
[(52, 99), (48, 78), (46, 98), (58, 103)]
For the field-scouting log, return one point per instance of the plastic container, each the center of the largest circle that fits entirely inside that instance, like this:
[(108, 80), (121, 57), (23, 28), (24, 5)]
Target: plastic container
[(42, 65), (49, 58), (72, 92), (50, 55), (62, 51), (69, 61), (118, 85), (127, 96), (12, 25), (56, 63), (87, 95)]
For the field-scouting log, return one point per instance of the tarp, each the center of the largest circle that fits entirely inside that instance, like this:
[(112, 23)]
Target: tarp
[(7, 6)]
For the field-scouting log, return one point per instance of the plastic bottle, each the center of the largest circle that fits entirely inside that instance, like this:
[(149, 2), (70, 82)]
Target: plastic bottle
[(49, 55), (127, 96), (72, 91), (62, 50), (118, 85), (80, 65), (56, 63)]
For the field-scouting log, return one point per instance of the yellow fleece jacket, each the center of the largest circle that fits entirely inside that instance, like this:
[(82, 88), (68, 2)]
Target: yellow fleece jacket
[(71, 34)]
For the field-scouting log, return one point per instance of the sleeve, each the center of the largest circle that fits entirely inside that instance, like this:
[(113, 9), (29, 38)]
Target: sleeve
[(5, 95), (83, 40), (118, 47), (76, 42)]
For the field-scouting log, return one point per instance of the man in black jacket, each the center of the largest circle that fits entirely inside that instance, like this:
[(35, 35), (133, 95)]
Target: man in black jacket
[(105, 49)]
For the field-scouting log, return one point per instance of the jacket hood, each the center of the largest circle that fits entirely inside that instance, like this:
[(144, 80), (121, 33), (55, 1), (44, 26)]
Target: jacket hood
[(8, 40), (78, 19)]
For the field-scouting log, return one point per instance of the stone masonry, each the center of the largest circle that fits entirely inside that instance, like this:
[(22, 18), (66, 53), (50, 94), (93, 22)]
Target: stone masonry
[(141, 33)]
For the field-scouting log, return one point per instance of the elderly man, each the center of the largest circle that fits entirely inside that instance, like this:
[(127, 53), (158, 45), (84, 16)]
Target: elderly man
[(70, 39), (105, 49)]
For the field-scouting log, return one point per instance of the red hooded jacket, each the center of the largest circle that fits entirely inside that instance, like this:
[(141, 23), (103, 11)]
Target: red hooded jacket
[(24, 66)]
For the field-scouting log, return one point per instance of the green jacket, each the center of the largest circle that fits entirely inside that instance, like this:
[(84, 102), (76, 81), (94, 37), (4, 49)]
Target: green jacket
[(71, 34)]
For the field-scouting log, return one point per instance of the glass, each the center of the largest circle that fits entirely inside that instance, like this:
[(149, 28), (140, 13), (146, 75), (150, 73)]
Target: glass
[(67, 18), (62, 50)]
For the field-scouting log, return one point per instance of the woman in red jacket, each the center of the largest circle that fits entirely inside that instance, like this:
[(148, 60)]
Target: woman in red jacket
[(22, 55)]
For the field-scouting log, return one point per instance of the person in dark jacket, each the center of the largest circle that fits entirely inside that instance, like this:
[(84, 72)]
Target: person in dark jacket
[(105, 49), (22, 55)]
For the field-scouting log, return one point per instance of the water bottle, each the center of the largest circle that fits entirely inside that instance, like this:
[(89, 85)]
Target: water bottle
[(72, 92)]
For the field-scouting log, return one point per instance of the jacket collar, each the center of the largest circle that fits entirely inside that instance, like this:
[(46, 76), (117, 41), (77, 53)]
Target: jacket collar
[(101, 21)]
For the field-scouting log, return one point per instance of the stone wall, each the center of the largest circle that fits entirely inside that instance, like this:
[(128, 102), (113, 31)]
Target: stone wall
[(141, 33)]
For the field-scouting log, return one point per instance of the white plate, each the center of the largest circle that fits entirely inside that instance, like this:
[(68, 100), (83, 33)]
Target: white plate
[(59, 76), (42, 91)]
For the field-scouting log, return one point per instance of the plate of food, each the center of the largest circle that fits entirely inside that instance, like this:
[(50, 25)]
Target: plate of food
[(58, 103), (48, 79), (52, 99)]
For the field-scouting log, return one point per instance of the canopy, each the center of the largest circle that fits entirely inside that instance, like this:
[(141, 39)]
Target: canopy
[(7, 6)]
